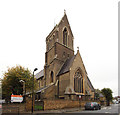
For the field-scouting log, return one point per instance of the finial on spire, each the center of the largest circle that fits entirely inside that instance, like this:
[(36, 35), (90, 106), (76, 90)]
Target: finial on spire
[(64, 11), (77, 48)]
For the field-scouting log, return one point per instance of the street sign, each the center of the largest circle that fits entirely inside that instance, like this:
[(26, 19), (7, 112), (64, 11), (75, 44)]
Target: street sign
[(16, 98)]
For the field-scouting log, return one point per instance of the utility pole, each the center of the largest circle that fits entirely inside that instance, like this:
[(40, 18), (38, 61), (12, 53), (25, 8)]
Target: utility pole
[(33, 89)]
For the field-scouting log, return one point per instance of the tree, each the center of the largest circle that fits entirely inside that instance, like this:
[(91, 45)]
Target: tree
[(11, 82), (97, 93), (107, 92)]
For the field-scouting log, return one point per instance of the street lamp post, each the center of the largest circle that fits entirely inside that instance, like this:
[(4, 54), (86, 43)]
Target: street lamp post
[(24, 89), (33, 88)]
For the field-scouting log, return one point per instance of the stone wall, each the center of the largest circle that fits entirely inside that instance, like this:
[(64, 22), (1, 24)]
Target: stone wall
[(63, 52), (64, 82), (64, 23), (50, 55), (78, 64), (49, 93)]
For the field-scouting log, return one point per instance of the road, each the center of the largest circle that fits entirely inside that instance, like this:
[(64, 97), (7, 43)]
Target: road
[(113, 109)]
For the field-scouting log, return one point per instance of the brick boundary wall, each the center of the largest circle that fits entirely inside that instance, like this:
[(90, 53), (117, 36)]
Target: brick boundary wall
[(13, 107), (48, 105), (60, 104)]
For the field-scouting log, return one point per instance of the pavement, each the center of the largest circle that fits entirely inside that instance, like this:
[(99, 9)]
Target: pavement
[(104, 109), (65, 110)]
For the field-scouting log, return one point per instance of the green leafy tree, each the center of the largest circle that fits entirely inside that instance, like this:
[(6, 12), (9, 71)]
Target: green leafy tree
[(107, 92), (11, 81), (97, 92)]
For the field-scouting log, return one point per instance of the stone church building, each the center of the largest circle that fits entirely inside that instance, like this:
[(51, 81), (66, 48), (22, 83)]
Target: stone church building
[(64, 75)]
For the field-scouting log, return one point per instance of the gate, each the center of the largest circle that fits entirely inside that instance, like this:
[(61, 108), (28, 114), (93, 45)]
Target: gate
[(39, 105)]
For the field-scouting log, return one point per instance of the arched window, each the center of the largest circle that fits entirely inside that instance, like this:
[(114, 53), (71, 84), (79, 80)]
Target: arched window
[(51, 76), (65, 37), (78, 82)]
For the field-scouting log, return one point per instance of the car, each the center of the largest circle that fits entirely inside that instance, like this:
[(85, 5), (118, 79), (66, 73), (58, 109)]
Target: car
[(92, 106), (117, 102), (0, 106), (2, 101), (114, 101)]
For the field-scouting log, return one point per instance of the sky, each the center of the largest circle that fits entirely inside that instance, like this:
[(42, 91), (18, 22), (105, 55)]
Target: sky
[(25, 24)]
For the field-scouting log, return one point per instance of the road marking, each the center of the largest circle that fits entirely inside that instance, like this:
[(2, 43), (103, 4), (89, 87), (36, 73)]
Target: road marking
[(105, 108)]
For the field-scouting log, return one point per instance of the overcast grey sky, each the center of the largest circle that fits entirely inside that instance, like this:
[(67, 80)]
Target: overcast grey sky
[(24, 25)]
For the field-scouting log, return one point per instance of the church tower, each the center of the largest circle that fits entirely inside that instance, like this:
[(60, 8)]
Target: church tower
[(59, 47)]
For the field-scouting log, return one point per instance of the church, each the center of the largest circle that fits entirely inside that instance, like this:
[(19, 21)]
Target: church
[(64, 75)]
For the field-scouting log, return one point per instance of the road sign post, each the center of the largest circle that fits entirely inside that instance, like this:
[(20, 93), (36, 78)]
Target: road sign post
[(80, 101)]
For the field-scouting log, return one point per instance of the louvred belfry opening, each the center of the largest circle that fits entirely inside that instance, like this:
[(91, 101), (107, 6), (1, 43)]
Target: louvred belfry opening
[(65, 34)]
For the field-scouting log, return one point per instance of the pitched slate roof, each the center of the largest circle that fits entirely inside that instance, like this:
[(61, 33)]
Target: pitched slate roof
[(66, 66), (44, 88), (39, 74)]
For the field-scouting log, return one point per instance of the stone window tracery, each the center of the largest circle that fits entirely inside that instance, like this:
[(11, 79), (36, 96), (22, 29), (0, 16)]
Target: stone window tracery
[(78, 82)]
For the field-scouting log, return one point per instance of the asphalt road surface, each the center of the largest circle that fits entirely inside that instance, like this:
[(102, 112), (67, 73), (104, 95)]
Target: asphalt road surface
[(113, 109)]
